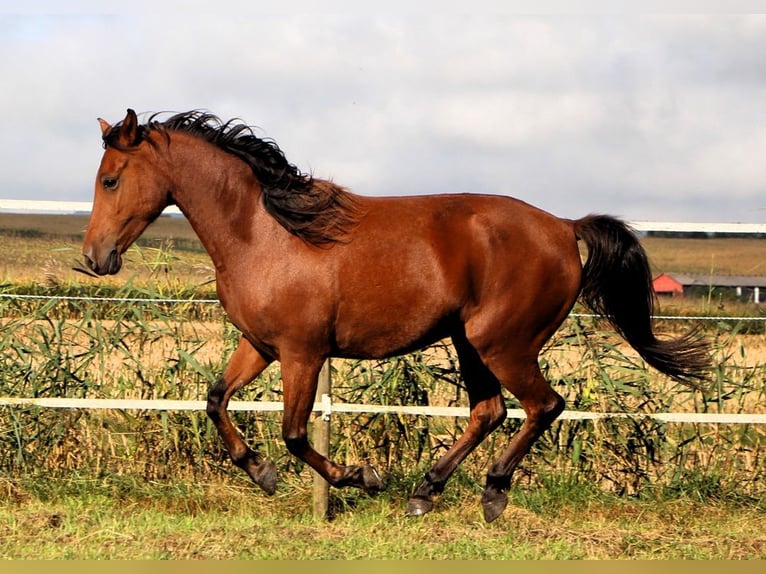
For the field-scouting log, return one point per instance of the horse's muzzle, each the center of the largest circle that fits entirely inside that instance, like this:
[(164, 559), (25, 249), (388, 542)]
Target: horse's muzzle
[(110, 266)]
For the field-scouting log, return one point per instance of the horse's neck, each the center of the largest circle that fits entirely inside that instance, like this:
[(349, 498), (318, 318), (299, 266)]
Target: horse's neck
[(220, 197)]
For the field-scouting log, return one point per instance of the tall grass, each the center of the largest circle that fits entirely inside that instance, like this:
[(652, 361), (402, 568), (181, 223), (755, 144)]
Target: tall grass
[(87, 349)]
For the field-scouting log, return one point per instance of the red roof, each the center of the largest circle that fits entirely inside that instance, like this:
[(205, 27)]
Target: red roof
[(666, 284)]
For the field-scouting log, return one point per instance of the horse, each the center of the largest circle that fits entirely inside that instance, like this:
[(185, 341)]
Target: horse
[(307, 270)]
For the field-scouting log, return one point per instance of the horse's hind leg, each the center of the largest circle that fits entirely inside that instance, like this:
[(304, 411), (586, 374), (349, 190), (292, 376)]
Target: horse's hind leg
[(542, 405), (487, 411), (244, 365)]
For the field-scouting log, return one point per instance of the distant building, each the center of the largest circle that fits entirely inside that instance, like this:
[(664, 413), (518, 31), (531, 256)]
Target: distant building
[(670, 285), (735, 286)]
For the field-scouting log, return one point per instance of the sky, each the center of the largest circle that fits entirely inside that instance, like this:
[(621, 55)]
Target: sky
[(650, 117)]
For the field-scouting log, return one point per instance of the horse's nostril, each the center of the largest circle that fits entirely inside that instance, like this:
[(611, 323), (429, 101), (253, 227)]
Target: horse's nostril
[(111, 265)]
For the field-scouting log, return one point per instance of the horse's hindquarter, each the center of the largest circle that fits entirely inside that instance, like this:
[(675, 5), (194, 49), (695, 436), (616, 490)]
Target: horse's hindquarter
[(418, 268)]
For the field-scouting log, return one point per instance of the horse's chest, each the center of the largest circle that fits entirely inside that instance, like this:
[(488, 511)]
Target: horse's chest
[(270, 314)]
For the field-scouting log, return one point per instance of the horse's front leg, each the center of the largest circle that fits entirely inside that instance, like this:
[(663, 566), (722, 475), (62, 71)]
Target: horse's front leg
[(299, 384), (244, 365)]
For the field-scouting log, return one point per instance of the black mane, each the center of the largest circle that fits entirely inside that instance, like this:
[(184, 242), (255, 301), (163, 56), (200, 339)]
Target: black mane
[(315, 210)]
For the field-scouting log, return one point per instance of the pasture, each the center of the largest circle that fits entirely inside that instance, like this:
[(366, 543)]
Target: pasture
[(122, 519), (116, 484), (39, 247)]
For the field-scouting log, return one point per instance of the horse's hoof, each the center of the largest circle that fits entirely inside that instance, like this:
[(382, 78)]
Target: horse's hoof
[(371, 480), (494, 506), (265, 476), (419, 506)]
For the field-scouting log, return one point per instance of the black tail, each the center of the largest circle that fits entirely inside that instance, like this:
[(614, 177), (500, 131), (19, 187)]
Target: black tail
[(617, 284)]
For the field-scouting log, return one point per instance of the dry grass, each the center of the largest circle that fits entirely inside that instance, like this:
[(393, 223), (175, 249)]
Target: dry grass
[(53, 241), (34, 226), (210, 342), (713, 256), (230, 521), (43, 249)]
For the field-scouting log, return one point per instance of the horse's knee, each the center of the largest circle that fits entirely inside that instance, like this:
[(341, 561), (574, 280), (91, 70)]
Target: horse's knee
[(295, 441), (543, 413), (487, 415), (215, 399), (553, 408), (493, 416)]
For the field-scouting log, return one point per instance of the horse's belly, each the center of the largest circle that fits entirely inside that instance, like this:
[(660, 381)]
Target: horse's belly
[(389, 334)]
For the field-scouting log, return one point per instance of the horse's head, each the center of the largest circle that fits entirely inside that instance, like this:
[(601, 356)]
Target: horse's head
[(131, 192)]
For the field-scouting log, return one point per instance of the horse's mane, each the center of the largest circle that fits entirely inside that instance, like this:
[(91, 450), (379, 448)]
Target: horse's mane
[(316, 210)]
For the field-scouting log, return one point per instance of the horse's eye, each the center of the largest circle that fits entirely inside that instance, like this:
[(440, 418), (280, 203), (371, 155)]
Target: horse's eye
[(109, 182)]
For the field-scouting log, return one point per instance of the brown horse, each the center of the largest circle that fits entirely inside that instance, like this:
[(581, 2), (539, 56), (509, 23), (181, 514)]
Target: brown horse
[(307, 270)]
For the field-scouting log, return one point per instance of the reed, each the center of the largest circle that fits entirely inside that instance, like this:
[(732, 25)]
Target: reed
[(51, 348)]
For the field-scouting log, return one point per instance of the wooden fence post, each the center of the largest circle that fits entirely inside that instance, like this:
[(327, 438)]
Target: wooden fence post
[(321, 441)]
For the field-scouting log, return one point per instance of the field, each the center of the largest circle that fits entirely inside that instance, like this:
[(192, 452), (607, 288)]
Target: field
[(229, 521), (80, 484), (43, 249)]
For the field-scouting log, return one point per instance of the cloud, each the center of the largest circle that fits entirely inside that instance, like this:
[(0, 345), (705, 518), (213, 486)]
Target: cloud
[(646, 117)]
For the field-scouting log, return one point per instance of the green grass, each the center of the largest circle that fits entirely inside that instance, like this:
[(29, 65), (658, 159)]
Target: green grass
[(123, 519)]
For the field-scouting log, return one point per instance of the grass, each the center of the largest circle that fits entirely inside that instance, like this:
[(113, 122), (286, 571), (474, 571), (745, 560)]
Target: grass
[(72, 228), (42, 250), (713, 255), (118, 519)]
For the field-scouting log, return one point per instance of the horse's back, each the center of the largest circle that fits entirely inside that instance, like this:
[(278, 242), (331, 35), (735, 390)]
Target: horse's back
[(479, 231)]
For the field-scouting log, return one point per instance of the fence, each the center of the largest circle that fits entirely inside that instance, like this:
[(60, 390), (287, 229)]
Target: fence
[(326, 407), (324, 404)]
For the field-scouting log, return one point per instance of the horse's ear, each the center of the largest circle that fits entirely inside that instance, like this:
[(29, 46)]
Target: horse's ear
[(129, 129), (105, 127)]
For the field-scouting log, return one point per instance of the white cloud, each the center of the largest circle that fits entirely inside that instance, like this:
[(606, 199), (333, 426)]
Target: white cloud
[(574, 113)]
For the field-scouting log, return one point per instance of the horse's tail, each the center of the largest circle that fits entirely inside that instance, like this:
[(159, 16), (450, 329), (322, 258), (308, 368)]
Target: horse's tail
[(617, 284)]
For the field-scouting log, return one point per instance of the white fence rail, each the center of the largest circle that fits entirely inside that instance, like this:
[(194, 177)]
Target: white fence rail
[(327, 407)]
